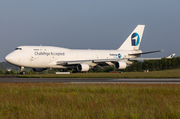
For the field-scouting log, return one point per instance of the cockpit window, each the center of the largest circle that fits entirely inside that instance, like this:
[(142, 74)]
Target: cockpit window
[(18, 49)]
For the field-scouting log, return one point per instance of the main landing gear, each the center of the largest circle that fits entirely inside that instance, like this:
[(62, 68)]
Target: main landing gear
[(22, 70)]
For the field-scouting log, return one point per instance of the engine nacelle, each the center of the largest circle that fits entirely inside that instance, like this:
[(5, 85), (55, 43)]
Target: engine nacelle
[(39, 69), (120, 65), (83, 67)]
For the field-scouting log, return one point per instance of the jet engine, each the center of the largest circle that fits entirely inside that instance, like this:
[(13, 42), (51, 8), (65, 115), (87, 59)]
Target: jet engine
[(120, 65), (82, 67), (39, 69)]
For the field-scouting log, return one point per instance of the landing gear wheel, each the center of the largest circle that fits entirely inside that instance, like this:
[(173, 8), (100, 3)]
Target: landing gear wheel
[(22, 72)]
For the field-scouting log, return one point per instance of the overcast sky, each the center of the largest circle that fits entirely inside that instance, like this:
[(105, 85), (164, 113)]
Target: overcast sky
[(93, 24)]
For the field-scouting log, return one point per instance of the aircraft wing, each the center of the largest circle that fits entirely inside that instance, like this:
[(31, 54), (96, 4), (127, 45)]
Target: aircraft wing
[(82, 61), (107, 60), (130, 59), (102, 60)]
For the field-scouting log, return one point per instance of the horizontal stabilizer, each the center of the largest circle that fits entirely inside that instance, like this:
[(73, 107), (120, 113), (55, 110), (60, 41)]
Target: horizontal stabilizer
[(145, 52)]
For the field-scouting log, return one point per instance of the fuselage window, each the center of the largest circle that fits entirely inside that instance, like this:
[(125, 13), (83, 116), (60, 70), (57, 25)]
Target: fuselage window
[(18, 49)]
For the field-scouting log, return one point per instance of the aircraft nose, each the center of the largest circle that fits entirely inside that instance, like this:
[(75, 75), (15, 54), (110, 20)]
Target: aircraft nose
[(9, 58)]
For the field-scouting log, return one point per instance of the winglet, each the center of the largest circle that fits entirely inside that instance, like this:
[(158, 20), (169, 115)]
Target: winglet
[(171, 56)]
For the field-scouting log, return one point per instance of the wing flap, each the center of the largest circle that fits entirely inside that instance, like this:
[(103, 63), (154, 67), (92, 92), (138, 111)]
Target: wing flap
[(72, 62), (134, 59)]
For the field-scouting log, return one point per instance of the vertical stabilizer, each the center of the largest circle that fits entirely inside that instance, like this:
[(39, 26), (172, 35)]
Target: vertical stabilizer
[(134, 40)]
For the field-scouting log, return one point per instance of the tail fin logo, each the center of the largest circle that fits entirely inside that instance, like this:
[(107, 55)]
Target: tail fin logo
[(135, 39)]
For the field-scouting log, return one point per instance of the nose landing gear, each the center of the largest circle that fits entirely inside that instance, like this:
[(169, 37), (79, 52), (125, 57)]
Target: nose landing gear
[(22, 70)]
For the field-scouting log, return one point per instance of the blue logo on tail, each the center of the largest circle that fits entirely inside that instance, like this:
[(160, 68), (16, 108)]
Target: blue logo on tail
[(135, 39)]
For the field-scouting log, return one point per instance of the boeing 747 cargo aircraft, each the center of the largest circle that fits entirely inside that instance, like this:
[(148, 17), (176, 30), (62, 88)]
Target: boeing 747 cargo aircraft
[(42, 57)]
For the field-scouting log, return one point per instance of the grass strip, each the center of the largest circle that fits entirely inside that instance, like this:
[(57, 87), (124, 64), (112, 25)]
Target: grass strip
[(56, 100)]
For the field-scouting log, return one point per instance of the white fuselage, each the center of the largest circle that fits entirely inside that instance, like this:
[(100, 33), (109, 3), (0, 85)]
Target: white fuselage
[(48, 56), (42, 57)]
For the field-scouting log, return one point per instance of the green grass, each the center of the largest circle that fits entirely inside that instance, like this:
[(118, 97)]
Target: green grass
[(55, 100), (174, 73)]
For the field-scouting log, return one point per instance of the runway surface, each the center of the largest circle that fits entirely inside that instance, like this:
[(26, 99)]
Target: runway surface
[(87, 80)]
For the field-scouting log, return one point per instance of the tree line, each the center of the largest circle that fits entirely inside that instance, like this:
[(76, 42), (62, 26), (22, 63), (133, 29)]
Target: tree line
[(155, 65), (151, 65)]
